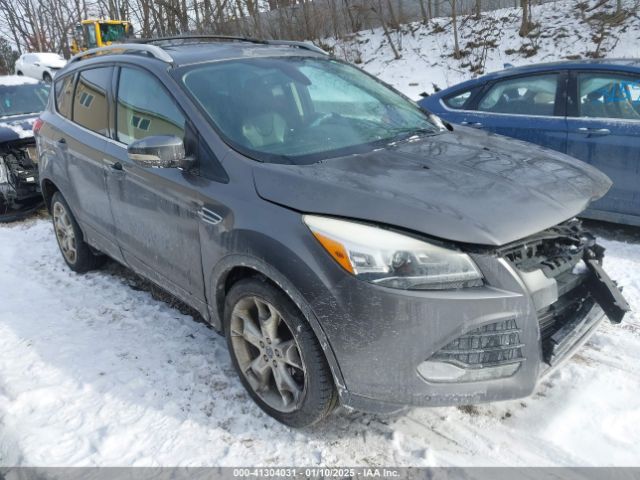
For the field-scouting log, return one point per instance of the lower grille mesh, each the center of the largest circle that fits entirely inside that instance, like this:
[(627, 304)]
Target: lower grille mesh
[(490, 345)]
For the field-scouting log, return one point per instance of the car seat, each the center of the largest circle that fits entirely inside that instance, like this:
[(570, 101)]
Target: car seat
[(263, 123), (593, 106), (619, 104)]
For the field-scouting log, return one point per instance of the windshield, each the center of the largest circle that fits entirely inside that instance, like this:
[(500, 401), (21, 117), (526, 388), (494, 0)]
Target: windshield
[(302, 110), (112, 32), (23, 99)]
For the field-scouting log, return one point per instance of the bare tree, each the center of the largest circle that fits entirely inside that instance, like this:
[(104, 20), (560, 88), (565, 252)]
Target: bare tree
[(454, 24), (526, 24), (378, 10)]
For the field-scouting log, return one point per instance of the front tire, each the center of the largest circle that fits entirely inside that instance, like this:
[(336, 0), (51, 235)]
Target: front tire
[(76, 252), (46, 76), (277, 355)]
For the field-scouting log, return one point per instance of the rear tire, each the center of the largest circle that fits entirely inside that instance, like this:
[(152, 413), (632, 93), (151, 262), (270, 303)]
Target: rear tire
[(277, 355), (76, 252), (19, 73), (47, 77)]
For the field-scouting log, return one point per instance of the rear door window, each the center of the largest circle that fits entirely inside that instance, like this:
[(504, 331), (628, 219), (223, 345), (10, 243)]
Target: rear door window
[(531, 95), (63, 89), (609, 95), (91, 100)]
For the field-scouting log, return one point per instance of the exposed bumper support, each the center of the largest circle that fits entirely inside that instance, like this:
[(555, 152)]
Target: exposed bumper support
[(606, 292)]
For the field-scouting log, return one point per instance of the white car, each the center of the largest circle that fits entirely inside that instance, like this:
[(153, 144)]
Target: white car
[(42, 65)]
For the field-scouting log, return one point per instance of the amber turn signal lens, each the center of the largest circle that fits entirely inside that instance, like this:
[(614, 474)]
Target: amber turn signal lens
[(336, 250)]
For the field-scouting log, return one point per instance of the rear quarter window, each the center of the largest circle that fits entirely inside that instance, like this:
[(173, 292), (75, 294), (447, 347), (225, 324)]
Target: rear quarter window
[(63, 90), (458, 100)]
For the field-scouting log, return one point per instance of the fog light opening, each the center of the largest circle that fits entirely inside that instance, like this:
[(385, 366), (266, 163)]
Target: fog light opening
[(434, 371)]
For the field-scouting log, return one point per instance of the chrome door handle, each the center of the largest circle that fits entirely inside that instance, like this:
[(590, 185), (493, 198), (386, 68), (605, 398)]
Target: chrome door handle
[(472, 124), (594, 132)]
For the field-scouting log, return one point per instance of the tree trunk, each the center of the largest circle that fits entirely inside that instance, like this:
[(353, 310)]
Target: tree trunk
[(423, 12), (396, 55), (392, 15), (525, 25), (454, 23)]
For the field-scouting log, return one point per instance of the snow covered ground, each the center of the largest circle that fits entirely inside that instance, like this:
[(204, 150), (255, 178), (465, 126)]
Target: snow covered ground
[(427, 60), (95, 371)]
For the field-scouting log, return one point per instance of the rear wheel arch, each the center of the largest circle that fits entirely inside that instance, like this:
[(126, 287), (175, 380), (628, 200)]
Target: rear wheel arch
[(234, 268), (48, 190)]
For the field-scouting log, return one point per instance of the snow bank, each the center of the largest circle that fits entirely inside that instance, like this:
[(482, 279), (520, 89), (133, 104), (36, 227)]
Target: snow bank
[(23, 128), (427, 63), (94, 371)]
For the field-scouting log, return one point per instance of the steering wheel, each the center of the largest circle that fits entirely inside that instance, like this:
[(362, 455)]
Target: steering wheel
[(324, 118)]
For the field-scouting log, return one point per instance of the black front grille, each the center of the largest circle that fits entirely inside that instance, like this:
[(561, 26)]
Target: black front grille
[(552, 318), (569, 307), (556, 251)]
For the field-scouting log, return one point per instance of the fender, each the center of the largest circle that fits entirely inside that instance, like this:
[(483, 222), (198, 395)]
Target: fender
[(217, 280)]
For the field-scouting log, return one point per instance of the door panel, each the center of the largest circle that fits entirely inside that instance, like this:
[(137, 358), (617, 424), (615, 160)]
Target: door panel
[(84, 140), (528, 107), (156, 213), (156, 210), (605, 132), (550, 132)]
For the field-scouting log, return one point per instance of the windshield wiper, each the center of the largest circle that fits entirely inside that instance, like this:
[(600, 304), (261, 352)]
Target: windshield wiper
[(407, 133)]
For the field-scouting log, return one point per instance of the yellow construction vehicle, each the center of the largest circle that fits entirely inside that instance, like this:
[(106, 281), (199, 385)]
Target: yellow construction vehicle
[(98, 33)]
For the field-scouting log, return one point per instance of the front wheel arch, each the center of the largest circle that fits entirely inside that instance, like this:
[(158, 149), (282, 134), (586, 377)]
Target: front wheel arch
[(244, 266)]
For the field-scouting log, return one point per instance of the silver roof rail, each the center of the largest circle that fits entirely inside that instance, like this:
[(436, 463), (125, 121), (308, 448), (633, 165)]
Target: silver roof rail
[(153, 50), (229, 38), (305, 45)]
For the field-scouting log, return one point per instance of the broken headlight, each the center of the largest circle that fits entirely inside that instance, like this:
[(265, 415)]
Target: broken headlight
[(391, 259)]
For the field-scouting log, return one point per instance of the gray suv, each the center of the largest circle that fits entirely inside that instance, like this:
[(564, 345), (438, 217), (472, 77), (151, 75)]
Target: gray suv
[(351, 247)]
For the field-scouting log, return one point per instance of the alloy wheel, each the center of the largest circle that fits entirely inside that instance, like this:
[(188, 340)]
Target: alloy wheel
[(268, 354), (64, 232)]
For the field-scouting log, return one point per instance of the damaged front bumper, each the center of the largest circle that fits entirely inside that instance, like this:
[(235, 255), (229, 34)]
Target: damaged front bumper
[(542, 299), (19, 186)]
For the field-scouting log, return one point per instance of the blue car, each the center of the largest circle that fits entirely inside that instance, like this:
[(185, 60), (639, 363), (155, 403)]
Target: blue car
[(587, 109)]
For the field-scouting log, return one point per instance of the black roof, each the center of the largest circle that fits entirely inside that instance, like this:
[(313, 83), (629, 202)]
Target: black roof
[(569, 64), (185, 50)]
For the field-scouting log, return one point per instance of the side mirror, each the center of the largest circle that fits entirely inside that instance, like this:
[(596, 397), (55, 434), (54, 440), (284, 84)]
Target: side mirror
[(159, 151)]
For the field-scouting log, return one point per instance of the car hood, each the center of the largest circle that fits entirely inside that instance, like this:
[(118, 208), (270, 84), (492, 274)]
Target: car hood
[(53, 62), (56, 64), (465, 186), (16, 127)]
